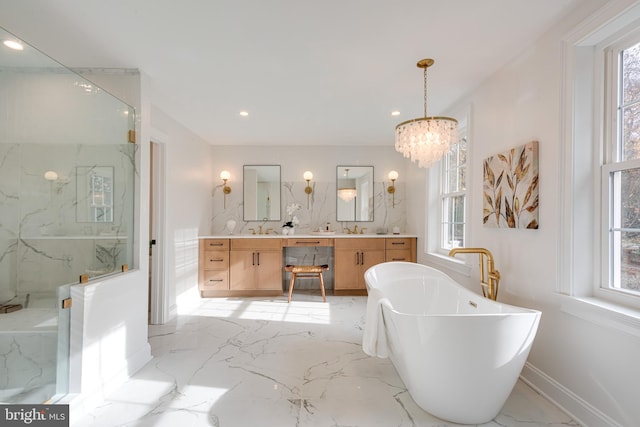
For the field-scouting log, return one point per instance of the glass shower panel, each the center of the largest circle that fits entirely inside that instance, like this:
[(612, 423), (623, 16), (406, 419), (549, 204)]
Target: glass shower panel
[(67, 181)]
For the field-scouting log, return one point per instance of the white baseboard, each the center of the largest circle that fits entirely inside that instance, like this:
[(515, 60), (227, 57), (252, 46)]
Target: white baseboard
[(576, 407)]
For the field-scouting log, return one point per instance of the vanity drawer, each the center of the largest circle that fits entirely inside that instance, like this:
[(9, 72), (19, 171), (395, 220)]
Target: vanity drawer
[(359, 243), (305, 242), (256, 244), (398, 255), (216, 244), (216, 260), (398, 243), (215, 280)]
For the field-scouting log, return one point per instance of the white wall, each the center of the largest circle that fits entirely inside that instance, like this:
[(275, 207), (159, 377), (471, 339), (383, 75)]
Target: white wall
[(591, 370), (189, 183)]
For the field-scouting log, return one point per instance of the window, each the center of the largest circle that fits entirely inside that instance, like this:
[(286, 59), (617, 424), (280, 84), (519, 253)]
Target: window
[(447, 201), (600, 169), (621, 169), (453, 195)]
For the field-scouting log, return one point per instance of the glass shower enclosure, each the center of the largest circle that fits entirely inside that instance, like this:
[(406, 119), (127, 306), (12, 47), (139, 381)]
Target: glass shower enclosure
[(67, 173)]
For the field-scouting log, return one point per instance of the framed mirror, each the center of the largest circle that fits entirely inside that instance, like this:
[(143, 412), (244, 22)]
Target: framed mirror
[(261, 192), (354, 185)]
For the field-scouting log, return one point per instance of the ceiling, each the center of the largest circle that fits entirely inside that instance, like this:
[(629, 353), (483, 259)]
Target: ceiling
[(309, 73)]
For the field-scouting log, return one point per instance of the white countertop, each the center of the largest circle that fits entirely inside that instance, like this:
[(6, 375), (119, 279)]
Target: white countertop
[(306, 236)]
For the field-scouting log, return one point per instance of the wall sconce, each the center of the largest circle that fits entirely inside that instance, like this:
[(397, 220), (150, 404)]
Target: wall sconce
[(308, 176), (393, 175), (225, 176)]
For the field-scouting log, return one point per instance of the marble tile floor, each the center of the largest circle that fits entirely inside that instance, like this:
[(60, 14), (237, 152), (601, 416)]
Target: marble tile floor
[(263, 362)]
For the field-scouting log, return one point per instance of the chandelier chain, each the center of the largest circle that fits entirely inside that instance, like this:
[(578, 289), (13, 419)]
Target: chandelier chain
[(425, 92)]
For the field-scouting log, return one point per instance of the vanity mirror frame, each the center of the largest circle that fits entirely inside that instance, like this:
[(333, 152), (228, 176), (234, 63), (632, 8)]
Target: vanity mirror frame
[(361, 178), (261, 192)]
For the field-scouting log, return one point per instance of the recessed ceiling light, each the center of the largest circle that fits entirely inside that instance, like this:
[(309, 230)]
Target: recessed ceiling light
[(395, 113), (244, 113), (12, 44)]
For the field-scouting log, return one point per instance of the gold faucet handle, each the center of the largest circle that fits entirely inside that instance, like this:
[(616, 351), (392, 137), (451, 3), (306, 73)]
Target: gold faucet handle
[(268, 230), (362, 230), (253, 230)]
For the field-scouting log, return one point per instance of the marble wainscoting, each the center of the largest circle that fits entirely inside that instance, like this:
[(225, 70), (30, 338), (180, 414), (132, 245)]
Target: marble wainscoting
[(262, 362), (28, 352), (322, 209), (47, 237)]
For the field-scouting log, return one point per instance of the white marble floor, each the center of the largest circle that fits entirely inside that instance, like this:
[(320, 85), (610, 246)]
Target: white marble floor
[(263, 362)]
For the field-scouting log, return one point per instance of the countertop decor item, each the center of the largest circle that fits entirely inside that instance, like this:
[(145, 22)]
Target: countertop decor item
[(231, 225)]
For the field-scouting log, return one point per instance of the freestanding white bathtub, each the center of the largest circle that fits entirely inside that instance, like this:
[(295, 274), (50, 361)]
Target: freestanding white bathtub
[(458, 354)]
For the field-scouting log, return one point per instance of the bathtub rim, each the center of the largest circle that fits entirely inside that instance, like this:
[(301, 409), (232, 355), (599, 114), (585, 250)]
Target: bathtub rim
[(517, 310)]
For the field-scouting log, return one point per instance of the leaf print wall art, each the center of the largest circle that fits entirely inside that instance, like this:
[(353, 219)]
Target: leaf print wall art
[(510, 188)]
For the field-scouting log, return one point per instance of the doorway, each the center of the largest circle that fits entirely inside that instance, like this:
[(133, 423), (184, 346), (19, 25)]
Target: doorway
[(157, 312)]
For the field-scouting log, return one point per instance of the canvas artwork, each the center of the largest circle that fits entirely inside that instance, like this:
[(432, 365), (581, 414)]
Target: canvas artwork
[(510, 188)]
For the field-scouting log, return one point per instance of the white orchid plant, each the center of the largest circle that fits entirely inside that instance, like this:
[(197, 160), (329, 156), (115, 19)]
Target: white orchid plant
[(293, 220)]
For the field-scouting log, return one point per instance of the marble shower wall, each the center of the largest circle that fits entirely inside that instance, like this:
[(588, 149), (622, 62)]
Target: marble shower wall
[(322, 209), (44, 241)]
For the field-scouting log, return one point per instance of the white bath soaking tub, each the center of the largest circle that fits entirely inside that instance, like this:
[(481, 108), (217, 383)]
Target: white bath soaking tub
[(458, 353)]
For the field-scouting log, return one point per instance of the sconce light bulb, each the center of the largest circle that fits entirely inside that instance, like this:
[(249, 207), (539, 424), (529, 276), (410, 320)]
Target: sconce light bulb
[(308, 176), (50, 175), (13, 44), (393, 175), (225, 175)]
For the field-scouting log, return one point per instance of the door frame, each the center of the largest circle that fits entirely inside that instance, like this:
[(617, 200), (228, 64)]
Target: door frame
[(159, 301)]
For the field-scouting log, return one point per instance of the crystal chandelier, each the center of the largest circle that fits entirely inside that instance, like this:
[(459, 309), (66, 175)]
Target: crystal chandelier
[(426, 140), (347, 193)]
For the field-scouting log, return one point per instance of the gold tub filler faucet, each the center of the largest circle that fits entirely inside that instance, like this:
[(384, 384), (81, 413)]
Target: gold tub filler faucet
[(489, 279)]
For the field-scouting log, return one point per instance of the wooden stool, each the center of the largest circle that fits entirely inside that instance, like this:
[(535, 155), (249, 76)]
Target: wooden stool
[(306, 271)]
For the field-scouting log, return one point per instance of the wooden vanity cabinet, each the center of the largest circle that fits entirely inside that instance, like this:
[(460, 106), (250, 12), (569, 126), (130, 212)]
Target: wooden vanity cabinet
[(400, 249), (352, 257), (256, 266), (213, 274)]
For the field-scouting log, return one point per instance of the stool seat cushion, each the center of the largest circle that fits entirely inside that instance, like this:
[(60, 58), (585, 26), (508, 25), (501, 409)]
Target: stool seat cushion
[(306, 268)]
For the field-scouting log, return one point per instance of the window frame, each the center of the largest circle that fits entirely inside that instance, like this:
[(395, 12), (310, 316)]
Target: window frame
[(434, 252), (612, 162), (584, 127), (445, 195)]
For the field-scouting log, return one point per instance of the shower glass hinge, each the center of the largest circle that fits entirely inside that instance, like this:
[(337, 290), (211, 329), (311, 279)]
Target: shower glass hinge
[(84, 278), (132, 136), (66, 303)]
